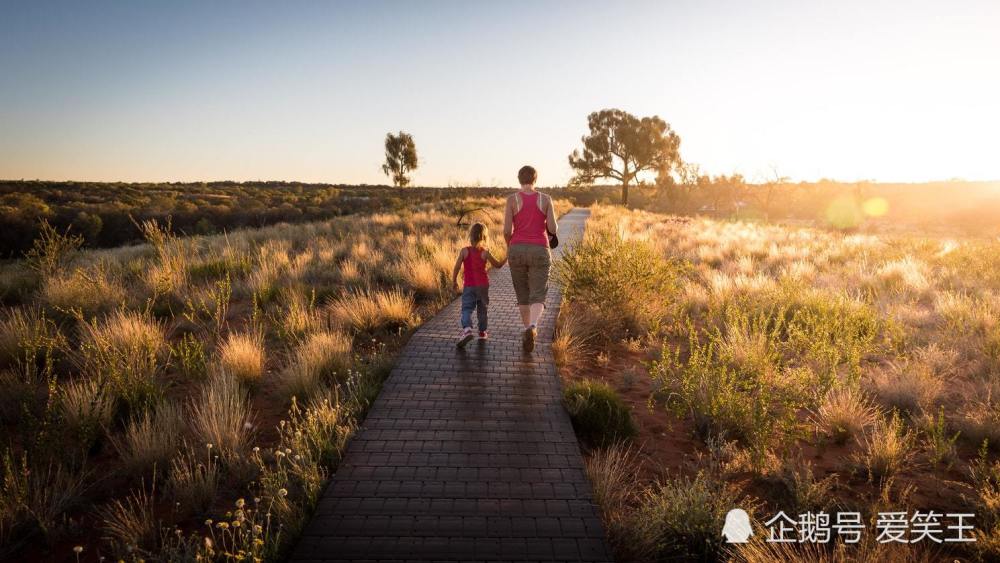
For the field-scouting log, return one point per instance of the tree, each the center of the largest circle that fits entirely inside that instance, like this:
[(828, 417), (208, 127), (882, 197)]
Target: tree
[(400, 157), (621, 145), (767, 188)]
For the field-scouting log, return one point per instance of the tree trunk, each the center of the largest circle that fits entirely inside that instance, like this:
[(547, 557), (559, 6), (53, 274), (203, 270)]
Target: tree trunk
[(625, 192)]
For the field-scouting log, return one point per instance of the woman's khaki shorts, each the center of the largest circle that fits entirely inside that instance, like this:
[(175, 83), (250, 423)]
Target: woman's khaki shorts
[(529, 270)]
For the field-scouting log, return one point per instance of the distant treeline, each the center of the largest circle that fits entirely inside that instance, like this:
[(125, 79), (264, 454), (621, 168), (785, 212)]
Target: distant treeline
[(105, 214)]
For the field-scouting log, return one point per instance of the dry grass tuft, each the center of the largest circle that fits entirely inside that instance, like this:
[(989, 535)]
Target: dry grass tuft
[(373, 310), (124, 352), (221, 416), (320, 359), (910, 387), (89, 293), (130, 523), (194, 479), (613, 472), (844, 413), (36, 497), (242, 356), (422, 275), (86, 406), (151, 438), (576, 328), (886, 448)]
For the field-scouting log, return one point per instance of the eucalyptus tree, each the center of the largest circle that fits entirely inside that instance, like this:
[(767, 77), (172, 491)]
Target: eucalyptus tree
[(400, 158), (621, 145)]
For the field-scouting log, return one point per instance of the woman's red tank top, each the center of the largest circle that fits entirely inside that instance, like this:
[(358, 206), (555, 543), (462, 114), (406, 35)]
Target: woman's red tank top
[(529, 222)]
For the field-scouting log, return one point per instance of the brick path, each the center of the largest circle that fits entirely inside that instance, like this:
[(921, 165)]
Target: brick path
[(466, 455)]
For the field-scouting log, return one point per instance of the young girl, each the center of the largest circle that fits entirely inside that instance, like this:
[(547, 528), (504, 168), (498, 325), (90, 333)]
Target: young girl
[(476, 293)]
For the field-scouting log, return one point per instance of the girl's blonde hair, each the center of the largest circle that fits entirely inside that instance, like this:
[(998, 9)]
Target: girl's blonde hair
[(478, 233)]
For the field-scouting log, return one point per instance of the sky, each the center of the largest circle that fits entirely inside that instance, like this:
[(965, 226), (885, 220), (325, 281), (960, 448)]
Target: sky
[(905, 90)]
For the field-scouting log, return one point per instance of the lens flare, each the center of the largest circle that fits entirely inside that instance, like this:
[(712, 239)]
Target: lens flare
[(875, 207), (844, 213)]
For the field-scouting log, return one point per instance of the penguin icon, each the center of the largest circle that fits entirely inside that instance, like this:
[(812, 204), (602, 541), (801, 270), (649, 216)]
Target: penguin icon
[(737, 528)]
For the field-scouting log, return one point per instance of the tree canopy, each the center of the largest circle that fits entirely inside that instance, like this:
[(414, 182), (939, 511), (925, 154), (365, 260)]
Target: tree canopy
[(621, 145), (400, 157)]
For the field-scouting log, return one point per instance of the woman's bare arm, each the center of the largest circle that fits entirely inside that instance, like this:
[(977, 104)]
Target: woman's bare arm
[(550, 220), (508, 220)]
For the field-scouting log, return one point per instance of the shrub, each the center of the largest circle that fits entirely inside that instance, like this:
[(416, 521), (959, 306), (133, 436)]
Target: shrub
[(939, 441), (124, 352), (754, 408), (627, 280), (52, 251), (371, 310), (242, 356), (26, 335), (35, 497), (805, 492), (599, 415), (189, 353), (985, 476), (830, 333), (681, 519), (886, 448), (299, 317)]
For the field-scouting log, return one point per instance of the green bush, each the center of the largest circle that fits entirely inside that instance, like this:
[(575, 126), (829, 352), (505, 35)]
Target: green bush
[(627, 281), (753, 407), (682, 519), (599, 415)]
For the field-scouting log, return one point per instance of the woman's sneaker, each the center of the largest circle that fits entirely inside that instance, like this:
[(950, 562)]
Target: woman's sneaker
[(483, 335), (465, 337), (528, 339)]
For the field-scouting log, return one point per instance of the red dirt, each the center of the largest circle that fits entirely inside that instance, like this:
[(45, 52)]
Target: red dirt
[(667, 447)]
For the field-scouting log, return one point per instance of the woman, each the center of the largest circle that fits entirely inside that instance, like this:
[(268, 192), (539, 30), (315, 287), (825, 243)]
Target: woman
[(528, 219)]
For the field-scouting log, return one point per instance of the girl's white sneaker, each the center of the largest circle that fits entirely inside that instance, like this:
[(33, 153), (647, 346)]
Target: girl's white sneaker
[(465, 337)]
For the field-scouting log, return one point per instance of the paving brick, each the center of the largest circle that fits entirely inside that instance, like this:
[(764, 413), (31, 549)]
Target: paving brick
[(466, 455)]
